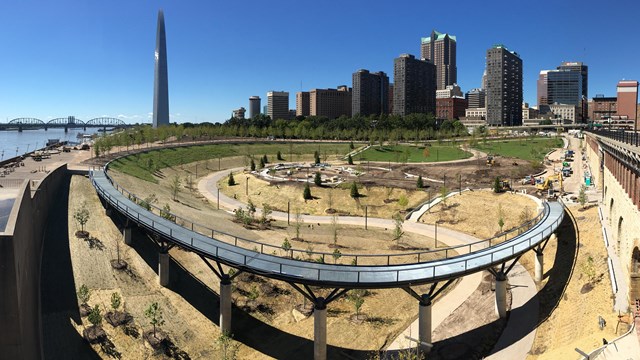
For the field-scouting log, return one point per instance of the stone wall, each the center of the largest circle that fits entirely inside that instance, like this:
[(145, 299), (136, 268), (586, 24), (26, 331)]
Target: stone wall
[(20, 258)]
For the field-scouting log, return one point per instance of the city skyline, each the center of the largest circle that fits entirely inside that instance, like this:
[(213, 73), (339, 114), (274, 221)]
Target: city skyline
[(97, 60)]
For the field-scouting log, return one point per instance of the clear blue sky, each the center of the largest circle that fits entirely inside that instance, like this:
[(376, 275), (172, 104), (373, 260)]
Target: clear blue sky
[(93, 58)]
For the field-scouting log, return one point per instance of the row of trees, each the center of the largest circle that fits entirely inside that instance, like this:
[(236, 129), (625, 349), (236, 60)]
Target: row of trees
[(413, 127)]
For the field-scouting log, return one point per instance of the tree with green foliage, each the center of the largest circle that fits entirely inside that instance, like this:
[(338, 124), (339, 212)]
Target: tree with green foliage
[(265, 159), (336, 255), (286, 246), (84, 294), (398, 221), (443, 196), (94, 317), (318, 179), (253, 165), (306, 193), (298, 223), (165, 212), (316, 157), (334, 229), (266, 213), (497, 186), (500, 217), (231, 181), (154, 314), (419, 182), (116, 301), (354, 190), (175, 185), (403, 200), (262, 163), (279, 155), (351, 146), (227, 348), (356, 296), (349, 159), (582, 195), (82, 215)]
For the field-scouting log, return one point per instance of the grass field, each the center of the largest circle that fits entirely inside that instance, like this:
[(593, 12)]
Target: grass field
[(524, 148), (413, 154), (143, 165)]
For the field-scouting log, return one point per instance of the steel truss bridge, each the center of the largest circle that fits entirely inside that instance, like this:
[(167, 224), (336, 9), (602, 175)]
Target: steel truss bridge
[(70, 122), (498, 258)]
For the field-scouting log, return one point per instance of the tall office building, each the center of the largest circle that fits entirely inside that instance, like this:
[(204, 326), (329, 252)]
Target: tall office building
[(161, 82), (330, 103), (476, 98), (449, 91), (303, 104), (628, 100), (584, 74), (414, 88), (542, 90), (440, 49), (278, 105), (370, 94), (254, 106), (504, 87)]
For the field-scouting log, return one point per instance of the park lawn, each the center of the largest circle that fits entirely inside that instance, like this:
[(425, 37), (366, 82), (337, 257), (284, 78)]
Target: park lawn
[(523, 148), (143, 165), (413, 154)]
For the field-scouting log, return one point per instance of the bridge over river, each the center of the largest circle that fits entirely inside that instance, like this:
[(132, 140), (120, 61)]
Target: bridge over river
[(70, 122)]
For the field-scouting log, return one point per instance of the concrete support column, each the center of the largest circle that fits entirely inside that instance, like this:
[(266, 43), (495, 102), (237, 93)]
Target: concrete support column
[(127, 235), (320, 330), (163, 267), (501, 295), (107, 210), (539, 265), (225, 304), (424, 323)]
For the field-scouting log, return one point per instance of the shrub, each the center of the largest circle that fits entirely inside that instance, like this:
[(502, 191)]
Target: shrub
[(306, 194), (253, 165), (349, 159), (318, 179), (231, 181), (419, 183), (279, 155), (354, 190), (496, 185)]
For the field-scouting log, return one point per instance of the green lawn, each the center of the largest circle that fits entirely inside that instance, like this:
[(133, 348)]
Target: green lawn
[(413, 154), (524, 148), (143, 165)]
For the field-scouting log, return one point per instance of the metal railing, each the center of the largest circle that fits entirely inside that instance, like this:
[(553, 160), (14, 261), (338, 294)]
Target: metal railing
[(315, 273), (627, 137), (320, 256)]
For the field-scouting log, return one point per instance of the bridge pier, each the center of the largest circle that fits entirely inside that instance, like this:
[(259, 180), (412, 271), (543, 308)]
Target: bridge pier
[(539, 267), (126, 232), (320, 329), (501, 294), (225, 304), (163, 266), (107, 210), (424, 323)]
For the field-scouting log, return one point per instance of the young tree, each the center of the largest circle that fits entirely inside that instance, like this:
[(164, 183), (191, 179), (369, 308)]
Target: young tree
[(354, 190), (398, 220), (279, 155), (165, 212), (154, 314), (336, 255), (266, 212), (316, 157), (227, 348), (500, 217), (175, 184), (265, 159), (351, 146), (251, 209), (318, 179), (262, 163), (582, 196), (82, 216), (443, 196), (84, 294), (356, 296), (298, 223), (94, 317), (253, 165), (524, 217), (330, 199), (419, 183), (497, 187), (334, 229), (349, 159), (306, 194), (116, 301), (231, 181), (286, 246)]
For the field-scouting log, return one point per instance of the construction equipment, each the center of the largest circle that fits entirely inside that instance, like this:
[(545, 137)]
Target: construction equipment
[(490, 160), (548, 182), (505, 185), (528, 180)]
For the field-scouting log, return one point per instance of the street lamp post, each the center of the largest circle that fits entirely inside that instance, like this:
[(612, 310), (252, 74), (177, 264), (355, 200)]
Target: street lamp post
[(246, 188)]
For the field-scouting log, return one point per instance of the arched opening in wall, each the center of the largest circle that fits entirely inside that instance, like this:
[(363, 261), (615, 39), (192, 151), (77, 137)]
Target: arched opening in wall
[(619, 233), (605, 192), (610, 211), (634, 285)]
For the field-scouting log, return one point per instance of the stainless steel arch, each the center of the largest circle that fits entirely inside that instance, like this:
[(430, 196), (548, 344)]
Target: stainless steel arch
[(320, 274)]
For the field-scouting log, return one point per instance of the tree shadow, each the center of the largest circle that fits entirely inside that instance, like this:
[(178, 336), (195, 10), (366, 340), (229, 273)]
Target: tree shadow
[(59, 305)]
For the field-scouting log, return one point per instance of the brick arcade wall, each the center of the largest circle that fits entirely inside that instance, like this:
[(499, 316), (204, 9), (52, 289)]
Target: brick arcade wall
[(593, 159)]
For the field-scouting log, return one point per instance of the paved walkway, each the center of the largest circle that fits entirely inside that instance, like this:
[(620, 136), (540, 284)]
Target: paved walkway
[(513, 344)]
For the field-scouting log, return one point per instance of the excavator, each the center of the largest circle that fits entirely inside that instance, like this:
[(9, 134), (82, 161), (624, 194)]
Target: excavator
[(548, 182)]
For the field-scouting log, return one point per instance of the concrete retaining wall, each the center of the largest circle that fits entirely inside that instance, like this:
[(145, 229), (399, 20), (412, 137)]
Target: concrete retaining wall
[(20, 258)]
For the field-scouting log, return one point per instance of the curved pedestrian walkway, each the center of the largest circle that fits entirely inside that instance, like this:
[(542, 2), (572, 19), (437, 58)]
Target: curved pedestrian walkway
[(511, 345)]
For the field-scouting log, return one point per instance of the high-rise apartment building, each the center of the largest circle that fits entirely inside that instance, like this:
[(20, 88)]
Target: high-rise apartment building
[(278, 105), (414, 88), (440, 49), (504, 87), (476, 98), (628, 100), (542, 89), (370, 94), (303, 104), (330, 103), (254, 106)]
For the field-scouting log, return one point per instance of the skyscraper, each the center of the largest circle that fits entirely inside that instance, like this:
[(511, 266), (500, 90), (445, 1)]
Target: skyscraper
[(542, 90), (370, 93), (476, 98), (330, 103), (161, 83), (303, 103), (414, 88), (504, 87), (440, 49), (254, 106), (584, 73), (278, 105), (628, 100)]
